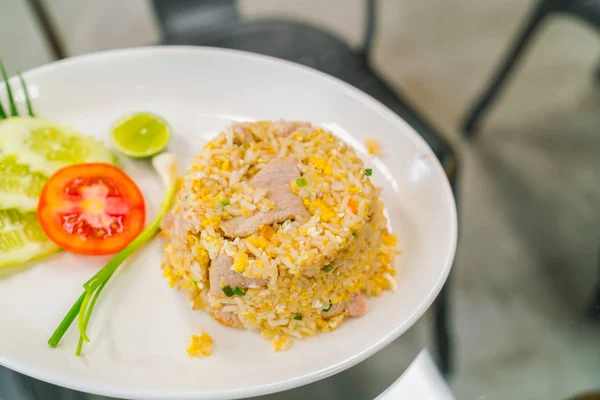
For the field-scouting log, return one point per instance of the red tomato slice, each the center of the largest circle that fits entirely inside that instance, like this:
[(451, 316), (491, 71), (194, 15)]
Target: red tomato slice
[(91, 209)]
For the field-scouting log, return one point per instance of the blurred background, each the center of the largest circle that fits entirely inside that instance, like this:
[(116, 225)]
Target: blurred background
[(524, 290)]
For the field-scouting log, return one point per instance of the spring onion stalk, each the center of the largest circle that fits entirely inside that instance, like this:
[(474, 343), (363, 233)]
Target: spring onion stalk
[(66, 322), (87, 316), (165, 165), (11, 99), (81, 318), (27, 98)]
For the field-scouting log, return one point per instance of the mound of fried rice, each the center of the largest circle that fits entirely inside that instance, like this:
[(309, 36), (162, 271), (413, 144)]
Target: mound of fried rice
[(294, 275)]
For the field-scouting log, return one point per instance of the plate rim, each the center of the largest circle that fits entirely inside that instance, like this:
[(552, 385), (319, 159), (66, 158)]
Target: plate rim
[(106, 389)]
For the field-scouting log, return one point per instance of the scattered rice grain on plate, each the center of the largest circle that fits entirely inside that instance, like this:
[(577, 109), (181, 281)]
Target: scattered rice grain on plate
[(281, 342), (373, 146)]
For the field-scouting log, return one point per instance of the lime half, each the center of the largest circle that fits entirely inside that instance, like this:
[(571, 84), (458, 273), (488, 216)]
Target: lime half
[(140, 135)]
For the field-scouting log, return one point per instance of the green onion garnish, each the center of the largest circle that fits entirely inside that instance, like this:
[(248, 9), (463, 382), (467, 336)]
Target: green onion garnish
[(9, 94), (27, 99), (298, 317), (225, 202), (368, 172), (301, 182), (238, 291), (328, 308), (88, 314), (166, 166), (66, 322), (355, 235), (228, 291), (195, 282), (327, 268)]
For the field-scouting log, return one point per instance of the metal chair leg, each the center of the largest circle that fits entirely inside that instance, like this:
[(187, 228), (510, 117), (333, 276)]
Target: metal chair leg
[(597, 74), (442, 327), (594, 307), (485, 101)]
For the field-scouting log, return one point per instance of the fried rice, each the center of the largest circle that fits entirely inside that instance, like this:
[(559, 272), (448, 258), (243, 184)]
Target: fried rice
[(277, 228)]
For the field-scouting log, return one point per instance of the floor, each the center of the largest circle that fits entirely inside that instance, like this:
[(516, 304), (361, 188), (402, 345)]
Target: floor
[(530, 183)]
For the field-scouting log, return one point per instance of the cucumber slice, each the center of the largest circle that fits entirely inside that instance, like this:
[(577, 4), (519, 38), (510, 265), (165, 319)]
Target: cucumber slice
[(46, 147), (19, 187), (22, 238)]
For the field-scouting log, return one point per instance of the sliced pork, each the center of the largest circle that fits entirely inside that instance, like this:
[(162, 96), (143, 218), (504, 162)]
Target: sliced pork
[(356, 307), (228, 319), (220, 274), (276, 177), (336, 309)]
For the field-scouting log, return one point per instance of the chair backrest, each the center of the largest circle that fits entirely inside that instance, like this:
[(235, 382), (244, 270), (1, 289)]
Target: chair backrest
[(370, 25), (181, 17)]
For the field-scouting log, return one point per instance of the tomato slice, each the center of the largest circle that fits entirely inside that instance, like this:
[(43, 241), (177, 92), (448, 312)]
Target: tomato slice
[(91, 209)]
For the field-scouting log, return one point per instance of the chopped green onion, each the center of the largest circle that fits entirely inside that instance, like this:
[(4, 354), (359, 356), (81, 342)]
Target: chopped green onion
[(301, 182), (228, 291), (355, 235), (328, 308), (238, 291), (195, 282), (225, 202), (368, 172), (298, 317), (327, 268)]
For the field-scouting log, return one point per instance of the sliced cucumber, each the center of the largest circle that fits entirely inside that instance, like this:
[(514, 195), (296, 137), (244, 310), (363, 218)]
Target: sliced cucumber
[(46, 147), (22, 238), (19, 187), (31, 149)]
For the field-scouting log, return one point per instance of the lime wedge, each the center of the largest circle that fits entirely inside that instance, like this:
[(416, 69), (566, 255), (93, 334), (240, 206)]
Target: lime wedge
[(22, 238), (140, 135)]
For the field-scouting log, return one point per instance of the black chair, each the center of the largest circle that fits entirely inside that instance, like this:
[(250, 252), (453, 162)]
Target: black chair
[(217, 23), (586, 10), (594, 307)]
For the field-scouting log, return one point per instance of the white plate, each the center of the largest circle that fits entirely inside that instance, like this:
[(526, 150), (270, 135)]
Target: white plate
[(140, 326)]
